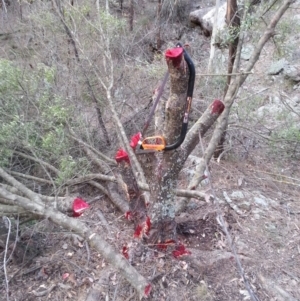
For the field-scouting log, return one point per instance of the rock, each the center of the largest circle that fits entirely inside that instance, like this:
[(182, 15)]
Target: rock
[(269, 111), (204, 17), (260, 201), (296, 99), (237, 194), (196, 17), (247, 52), (292, 73), (277, 67), (246, 206)]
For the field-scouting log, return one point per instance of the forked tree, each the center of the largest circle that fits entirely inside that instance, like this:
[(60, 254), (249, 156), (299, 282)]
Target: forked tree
[(153, 212)]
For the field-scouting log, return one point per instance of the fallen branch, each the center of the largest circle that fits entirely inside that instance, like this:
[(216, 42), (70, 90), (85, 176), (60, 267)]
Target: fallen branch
[(101, 155), (47, 165), (119, 202), (95, 240), (29, 177), (114, 188), (8, 210)]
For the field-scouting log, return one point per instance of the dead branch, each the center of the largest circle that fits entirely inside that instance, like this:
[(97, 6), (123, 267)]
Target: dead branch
[(34, 159), (114, 188), (64, 204), (95, 240), (101, 155), (90, 177), (28, 177), (8, 210), (120, 203), (5, 256), (22, 188), (99, 186)]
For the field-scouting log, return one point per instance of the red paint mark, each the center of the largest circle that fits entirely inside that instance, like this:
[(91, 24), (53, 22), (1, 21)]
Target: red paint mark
[(217, 107), (147, 290), (79, 206), (180, 250), (121, 155), (147, 225), (125, 252), (175, 55), (143, 229), (135, 139), (138, 233), (65, 276), (128, 215)]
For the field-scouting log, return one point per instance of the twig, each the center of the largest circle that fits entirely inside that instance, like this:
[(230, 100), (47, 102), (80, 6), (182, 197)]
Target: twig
[(24, 176), (261, 135), (89, 177), (44, 292), (4, 5), (231, 204), (103, 220), (274, 174), (116, 290), (114, 197), (287, 105), (7, 221), (258, 92), (88, 253), (15, 243), (49, 166), (224, 74), (73, 136)]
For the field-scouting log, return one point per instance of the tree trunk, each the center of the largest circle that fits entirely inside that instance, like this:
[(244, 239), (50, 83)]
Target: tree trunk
[(158, 39), (131, 15), (211, 66), (163, 179), (233, 22)]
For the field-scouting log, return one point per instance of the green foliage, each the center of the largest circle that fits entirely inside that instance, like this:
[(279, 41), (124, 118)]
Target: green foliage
[(32, 115), (9, 76), (67, 169), (284, 31), (292, 134), (286, 140)]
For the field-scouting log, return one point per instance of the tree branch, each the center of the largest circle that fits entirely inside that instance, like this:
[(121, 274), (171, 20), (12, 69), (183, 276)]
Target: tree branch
[(94, 239), (47, 165), (22, 188), (29, 177)]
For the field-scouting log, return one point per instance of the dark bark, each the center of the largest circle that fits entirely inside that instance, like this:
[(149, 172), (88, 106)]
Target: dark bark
[(131, 14), (158, 38)]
